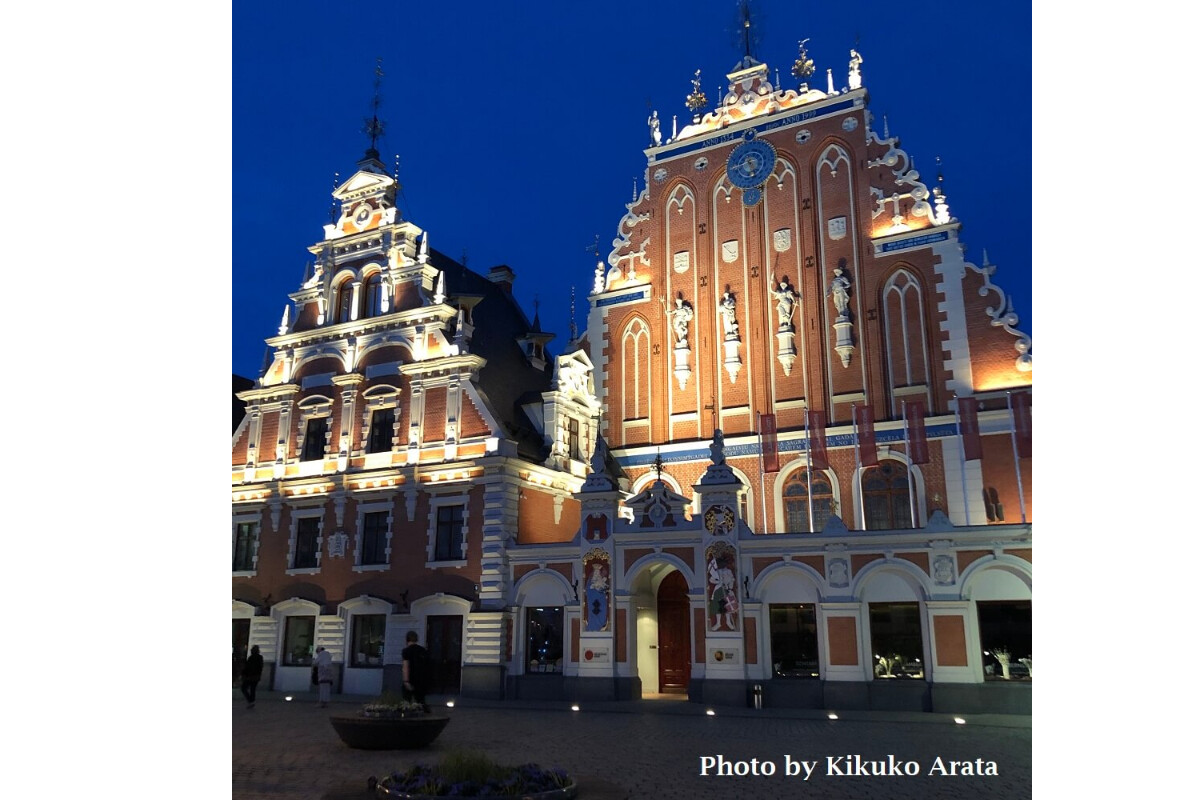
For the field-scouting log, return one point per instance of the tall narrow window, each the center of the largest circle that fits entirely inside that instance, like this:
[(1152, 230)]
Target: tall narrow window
[(307, 529), (345, 300), (374, 537), (243, 546), (573, 439), (373, 296), (795, 501), (314, 439), (448, 544), (544, 639), (885, 496), (383, 421)]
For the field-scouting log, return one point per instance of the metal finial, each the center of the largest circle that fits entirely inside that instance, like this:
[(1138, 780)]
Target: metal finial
[(574, 329), (885, 128), (635, 189), (374, 127), (333, 207), (697, 99), (938, 159), (658, 464)]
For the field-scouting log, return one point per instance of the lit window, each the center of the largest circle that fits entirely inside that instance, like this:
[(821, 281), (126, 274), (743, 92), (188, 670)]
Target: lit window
[(373, 296), (1006, 634), (896, 640)]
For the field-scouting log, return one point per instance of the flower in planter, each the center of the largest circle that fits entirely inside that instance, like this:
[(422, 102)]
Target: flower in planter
[(474, 774)]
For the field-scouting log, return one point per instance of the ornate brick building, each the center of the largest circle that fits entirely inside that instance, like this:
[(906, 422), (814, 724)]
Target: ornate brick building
[(814, 477)]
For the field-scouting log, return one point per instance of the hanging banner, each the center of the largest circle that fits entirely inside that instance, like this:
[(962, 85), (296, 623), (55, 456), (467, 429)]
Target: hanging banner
[(770, 443), (1022, 424), (816, 440), (914, 418), (864, 419), (968, 428)]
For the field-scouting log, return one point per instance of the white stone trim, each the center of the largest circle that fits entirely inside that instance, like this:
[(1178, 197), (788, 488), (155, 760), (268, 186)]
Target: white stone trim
[(436, 502), (294, 527), (369, 508)]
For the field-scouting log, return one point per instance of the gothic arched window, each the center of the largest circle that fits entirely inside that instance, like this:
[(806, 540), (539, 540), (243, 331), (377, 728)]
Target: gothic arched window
[(885, 496), (795, 501)]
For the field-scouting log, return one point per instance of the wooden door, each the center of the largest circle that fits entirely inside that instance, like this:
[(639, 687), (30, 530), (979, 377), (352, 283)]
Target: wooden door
[(674, 635), (443, 639)]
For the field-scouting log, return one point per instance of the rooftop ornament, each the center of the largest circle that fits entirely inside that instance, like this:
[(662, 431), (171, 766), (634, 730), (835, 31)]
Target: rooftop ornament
[(697, 100), (803, 67)]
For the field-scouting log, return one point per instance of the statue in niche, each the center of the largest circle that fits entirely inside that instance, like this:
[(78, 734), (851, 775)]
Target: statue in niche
[(655, 133), (680, 317), (785, 303), (839, 289), (728, 310)]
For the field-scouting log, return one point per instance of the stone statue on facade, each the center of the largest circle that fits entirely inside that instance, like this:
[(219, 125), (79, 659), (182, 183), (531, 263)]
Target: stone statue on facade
[(855, 76), (728, 310), (681, 315), (785, 303), (839, 289), (655, 133)]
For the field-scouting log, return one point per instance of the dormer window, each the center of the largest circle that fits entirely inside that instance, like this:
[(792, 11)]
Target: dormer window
[(573, 439)]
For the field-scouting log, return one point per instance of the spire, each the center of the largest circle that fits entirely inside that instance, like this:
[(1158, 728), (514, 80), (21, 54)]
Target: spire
[(423, 255), (374, 127), (283, 323), (536, 327), (747, 30), (439, 294), (574, 329)]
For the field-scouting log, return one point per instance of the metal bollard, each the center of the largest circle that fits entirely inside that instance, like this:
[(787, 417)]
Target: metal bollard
[(758, 695)]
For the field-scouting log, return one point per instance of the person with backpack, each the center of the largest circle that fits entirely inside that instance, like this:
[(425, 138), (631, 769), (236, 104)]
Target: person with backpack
[(417, 670)]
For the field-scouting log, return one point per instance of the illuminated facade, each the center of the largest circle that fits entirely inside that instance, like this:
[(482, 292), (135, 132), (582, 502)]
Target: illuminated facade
[(814, 481)]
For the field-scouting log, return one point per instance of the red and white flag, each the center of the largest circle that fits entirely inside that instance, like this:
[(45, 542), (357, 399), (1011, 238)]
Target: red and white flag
[(816, 440), (864, 420), (770, 443), (968, 428), (1022, 424), (914, 419)]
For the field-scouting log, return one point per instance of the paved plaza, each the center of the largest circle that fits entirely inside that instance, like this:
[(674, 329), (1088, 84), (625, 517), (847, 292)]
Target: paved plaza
[(649, 749)]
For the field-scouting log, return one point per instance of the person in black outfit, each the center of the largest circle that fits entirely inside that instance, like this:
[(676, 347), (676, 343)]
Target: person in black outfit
[(416, 670), (251, 675)]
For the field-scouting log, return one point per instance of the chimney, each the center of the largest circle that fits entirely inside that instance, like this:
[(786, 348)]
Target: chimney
[(503, 276)]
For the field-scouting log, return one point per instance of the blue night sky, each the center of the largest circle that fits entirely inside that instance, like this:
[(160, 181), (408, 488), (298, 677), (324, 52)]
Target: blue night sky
[(520, 127)]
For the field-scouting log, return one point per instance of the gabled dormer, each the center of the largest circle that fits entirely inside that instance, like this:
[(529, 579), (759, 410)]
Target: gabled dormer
[(571, 413), (366, 201)]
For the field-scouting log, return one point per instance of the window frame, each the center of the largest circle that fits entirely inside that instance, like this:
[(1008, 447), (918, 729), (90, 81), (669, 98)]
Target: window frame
[(360, 541), (373, 431), (323, 437), (435, 504), (352, 655), (797, 478), (810, 623), (877, 634), (293, 540), (890, 493), (256, 538), (558, 612), (285, 657)]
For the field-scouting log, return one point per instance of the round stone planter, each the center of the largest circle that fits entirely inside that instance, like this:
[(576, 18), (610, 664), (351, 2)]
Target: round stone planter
[(388, 733), (568, 792)]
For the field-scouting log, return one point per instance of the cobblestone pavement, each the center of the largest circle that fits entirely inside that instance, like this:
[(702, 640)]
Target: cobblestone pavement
[(649, 749)]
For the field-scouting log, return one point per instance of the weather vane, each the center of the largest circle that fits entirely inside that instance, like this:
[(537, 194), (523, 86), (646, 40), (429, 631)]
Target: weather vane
[(658, 464), (747, 26), (697, 100), (373, 127)]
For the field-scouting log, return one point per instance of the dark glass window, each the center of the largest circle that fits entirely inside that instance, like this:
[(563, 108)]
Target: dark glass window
[(1006, 633), (795, 501), (298, 641), (314, 439), (306, 542), (367, 640), (794, 640), (383, 422), (544, 639), (345, 297), (448, 545), (243, 546), (573, 439), (373, 296), (885, 496), (896, 640), (374, 537)]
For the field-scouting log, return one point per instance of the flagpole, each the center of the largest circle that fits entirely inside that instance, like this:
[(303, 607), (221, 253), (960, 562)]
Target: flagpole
[(762, 471), (1012, 420), (962, 459), (862, 513), (908, 478), (808, 472)]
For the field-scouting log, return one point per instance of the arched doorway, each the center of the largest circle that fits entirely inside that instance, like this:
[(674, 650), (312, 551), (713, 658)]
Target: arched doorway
[(674, 634)]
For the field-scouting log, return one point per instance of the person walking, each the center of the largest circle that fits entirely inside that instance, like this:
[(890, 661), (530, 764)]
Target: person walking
[(324, 665), (417, 669), (251, 675)]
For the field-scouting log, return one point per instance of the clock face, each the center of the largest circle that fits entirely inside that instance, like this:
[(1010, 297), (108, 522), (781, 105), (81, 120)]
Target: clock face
[(750, 163)]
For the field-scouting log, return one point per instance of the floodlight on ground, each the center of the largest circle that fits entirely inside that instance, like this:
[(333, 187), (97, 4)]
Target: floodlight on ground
[(288, 698), (833, 716), (575, 708), (449, 704), (711, 713), (960, 721)]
